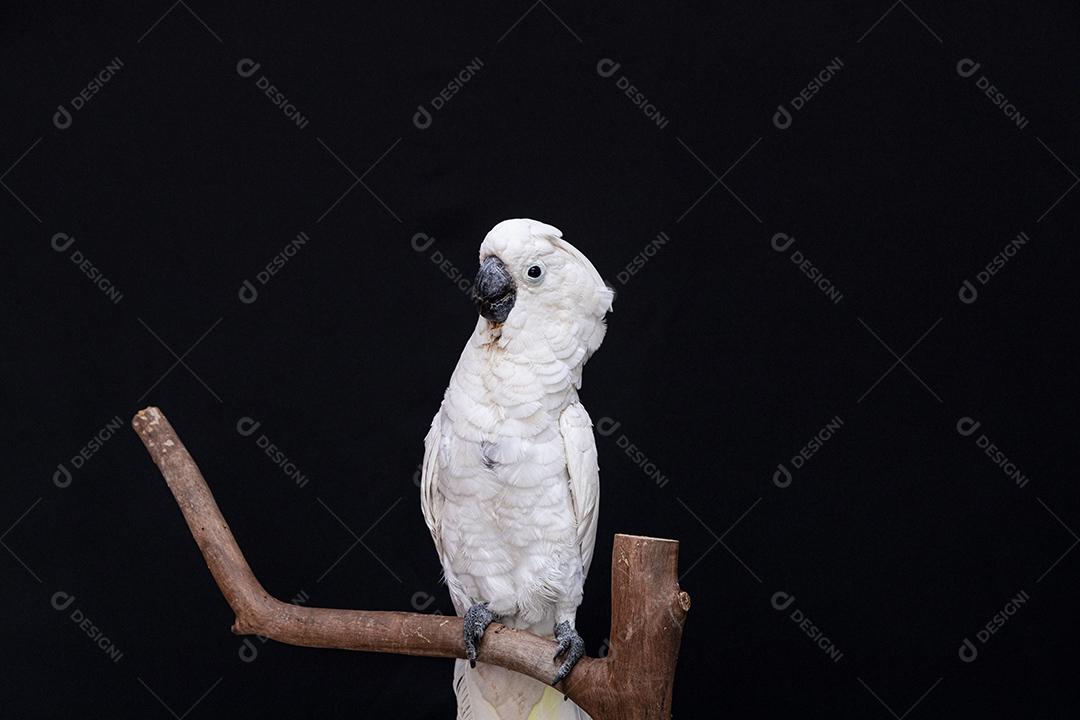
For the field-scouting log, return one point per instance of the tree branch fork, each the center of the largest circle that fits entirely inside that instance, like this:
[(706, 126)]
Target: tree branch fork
[(633, 681)]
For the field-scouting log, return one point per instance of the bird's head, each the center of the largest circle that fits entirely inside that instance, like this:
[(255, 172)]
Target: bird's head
[(530, 278)]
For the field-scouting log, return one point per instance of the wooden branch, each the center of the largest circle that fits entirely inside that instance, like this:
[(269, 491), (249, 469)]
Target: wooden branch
[(634, 681)]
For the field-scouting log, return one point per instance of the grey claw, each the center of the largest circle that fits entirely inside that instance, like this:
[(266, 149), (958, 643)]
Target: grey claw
[(477, 618), (570, 644)]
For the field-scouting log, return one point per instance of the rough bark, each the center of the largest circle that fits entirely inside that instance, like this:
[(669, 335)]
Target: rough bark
[(634, 681)]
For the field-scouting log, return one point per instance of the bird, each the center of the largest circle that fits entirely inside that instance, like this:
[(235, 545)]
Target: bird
[(510, 481)]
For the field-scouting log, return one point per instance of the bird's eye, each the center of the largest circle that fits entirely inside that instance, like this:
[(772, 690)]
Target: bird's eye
[(535, 272)]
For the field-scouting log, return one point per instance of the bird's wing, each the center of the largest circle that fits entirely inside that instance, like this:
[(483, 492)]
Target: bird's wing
[(584, 471), (431, 500)]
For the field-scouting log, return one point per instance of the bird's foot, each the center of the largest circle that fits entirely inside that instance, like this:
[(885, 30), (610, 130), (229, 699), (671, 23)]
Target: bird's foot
[(570, 644), (477, 618)]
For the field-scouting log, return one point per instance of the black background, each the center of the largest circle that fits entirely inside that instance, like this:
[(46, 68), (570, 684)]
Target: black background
[(899, 180)]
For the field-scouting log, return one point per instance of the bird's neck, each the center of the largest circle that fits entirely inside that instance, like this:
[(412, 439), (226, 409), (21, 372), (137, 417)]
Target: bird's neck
[(545, 353)]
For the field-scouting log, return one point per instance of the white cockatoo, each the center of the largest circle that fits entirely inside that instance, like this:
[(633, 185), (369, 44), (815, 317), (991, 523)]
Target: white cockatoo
[(510, 483)]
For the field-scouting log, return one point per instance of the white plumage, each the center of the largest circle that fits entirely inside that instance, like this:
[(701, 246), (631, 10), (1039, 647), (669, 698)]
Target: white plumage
[(510, 482)]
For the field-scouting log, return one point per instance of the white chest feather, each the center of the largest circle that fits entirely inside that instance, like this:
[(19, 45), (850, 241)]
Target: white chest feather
[(508, 526)]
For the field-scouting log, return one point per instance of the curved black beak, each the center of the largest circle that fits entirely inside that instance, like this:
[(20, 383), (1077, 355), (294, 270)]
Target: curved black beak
[(494, 291)]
